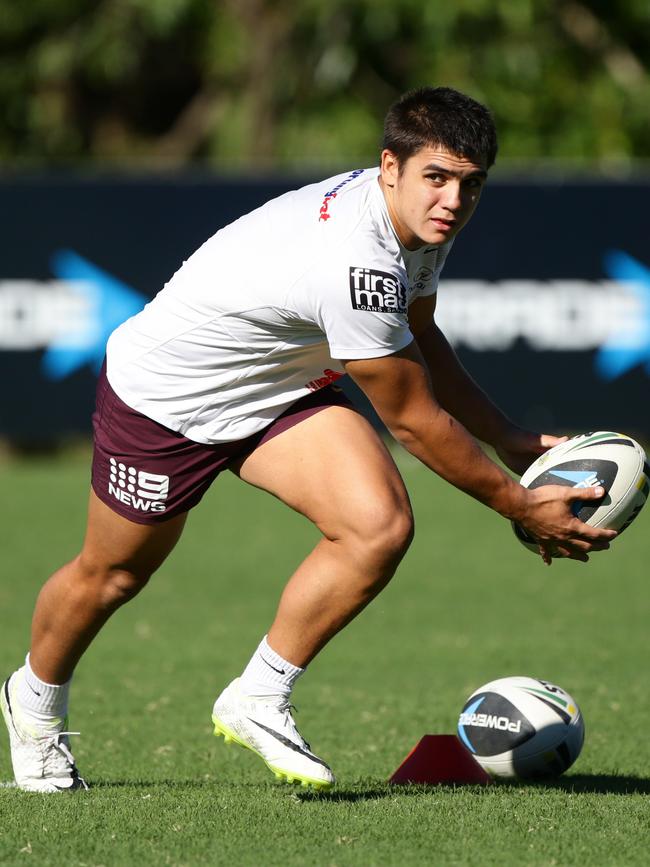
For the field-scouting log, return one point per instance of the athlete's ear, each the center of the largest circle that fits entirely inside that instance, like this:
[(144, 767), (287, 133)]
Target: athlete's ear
[(389, 167)]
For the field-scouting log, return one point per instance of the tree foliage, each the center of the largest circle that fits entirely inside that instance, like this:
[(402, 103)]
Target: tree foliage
[(271, 83)]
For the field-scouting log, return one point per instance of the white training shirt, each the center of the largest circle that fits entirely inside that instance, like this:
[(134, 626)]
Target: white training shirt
[(262, 313)]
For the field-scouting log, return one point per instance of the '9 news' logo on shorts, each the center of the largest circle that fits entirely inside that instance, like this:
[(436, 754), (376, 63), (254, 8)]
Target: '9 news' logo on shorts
[(376, 291), (144, 491)]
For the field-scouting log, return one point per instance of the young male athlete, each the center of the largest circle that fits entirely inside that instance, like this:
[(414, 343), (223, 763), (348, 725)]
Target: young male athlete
[(231, 367)]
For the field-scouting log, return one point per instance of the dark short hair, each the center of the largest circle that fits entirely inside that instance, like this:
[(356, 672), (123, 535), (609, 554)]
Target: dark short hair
[(440, 117)]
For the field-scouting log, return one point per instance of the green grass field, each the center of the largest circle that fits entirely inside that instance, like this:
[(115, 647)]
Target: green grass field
[(468, 605)]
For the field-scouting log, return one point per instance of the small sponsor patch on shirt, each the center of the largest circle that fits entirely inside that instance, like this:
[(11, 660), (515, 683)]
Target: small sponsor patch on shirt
[(324, 214), (377, 291), (329, 376)]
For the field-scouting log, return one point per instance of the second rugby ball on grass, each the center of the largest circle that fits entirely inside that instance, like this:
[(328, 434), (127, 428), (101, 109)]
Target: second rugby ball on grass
[(613, 460)]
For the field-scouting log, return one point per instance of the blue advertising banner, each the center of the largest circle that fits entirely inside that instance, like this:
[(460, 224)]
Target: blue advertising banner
[(546, 295)]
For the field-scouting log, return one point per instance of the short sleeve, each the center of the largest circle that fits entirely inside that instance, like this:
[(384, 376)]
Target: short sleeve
[(362, 310)]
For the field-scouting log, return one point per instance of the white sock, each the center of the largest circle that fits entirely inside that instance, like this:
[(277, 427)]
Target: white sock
[(44, 703), (268, 673)]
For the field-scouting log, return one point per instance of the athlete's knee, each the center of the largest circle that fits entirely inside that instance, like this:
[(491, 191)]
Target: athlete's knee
[(386, 533), (121, 586), (397, 534), (113, 584)]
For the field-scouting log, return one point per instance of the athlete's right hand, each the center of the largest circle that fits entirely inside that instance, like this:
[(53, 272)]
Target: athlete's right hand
[(549, 519)]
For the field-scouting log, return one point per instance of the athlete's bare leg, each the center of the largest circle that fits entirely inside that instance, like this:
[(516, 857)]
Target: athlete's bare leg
[(115, 563), (335, 470)]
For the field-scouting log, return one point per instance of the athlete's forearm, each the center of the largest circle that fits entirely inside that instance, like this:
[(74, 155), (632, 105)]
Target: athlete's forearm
[(446, 447), (457, 392), (400, 391)]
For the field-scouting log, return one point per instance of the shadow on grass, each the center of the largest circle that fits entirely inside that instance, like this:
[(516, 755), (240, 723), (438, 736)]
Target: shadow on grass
[(361, 792), (107, 786), (600, 784), (194, 784), (372, 791)]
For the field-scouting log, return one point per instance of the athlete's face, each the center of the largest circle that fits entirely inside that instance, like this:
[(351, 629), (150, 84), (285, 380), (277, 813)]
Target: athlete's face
[(433, 196)]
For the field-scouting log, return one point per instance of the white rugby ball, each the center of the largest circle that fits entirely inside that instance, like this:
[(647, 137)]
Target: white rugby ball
[(613, 460), (522, 728)]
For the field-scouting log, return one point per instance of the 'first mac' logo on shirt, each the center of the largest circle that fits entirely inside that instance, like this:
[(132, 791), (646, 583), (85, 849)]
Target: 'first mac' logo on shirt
[(376, 291)]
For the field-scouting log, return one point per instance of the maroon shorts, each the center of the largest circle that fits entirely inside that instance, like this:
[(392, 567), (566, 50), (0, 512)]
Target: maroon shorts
[(148, 473)]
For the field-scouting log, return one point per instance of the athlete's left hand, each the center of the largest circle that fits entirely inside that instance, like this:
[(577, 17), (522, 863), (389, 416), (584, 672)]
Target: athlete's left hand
[(518, 448)]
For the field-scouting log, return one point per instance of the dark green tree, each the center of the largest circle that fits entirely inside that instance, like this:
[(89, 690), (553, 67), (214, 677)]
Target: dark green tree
[(267, 83)]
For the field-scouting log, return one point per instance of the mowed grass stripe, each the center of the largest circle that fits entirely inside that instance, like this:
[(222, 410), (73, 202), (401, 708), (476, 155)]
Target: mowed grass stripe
[(469, 604)]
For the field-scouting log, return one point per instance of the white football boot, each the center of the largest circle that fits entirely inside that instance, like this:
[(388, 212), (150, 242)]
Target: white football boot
[(264, 725), (41, 758)]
